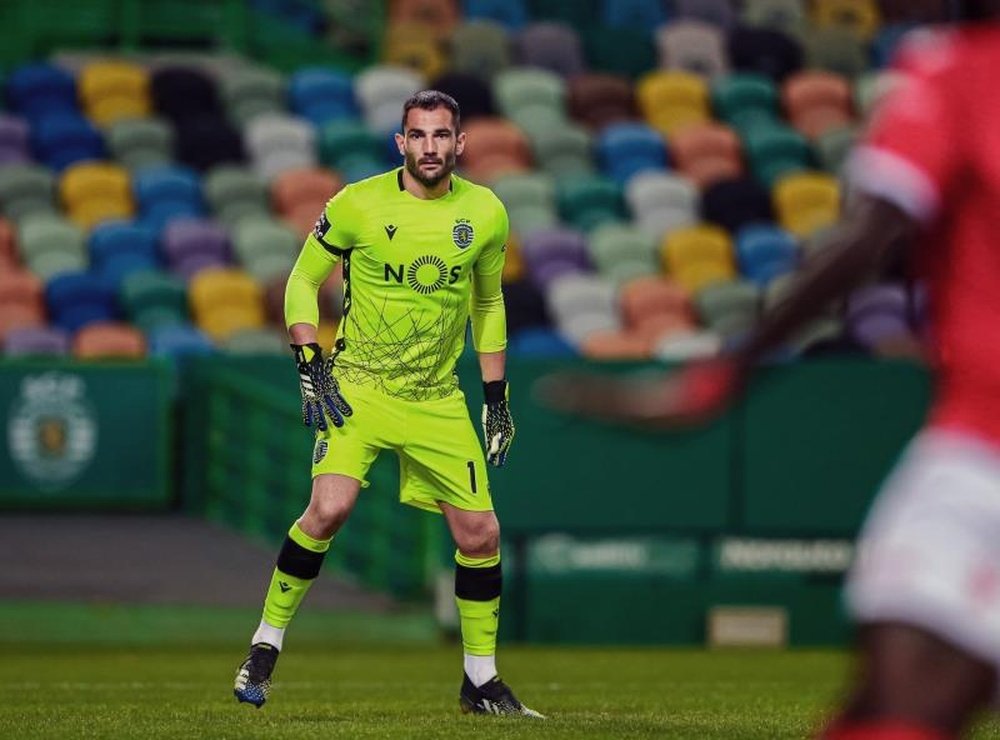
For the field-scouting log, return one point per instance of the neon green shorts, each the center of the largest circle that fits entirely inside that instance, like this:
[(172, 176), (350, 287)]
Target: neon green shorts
[(440, 457)]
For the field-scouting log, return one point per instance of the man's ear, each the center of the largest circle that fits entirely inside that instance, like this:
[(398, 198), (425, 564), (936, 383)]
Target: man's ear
[(401, 144), (460, 143)]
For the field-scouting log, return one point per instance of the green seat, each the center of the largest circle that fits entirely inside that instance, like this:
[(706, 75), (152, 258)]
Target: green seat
[(567, 150), (739, 99), (530, 199), (266, 248), (620, 51), (774, 151), (480, 48), (870, 87), (142, 142), (521, 87), (580, 14), (234, 193), (834, 146), (150, 298), (257, 342), (340, 140), (26, 189), (46, 233), (184, 22), (788, 16), (621, 252), (249, 92), (729, 308), (268, 266), (537, 120), (47, 265), (586, 202), (835, 50)]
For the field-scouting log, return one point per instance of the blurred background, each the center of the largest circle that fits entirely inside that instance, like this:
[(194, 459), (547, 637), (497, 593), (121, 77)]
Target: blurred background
[(666, 164)]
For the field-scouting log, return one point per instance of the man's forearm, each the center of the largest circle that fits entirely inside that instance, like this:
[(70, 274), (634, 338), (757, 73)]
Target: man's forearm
[(493, 365), (303, 334)]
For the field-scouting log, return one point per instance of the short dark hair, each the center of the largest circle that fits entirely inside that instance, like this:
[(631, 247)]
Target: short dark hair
[(429, 100)]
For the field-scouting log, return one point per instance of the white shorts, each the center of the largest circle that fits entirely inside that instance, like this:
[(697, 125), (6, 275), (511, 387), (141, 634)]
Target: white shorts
[(929, 553)]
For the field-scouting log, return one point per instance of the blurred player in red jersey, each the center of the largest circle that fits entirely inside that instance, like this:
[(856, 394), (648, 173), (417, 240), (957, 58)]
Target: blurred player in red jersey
[(925, 588)]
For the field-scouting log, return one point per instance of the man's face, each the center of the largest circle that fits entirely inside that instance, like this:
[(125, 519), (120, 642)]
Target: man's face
[(430, 145)]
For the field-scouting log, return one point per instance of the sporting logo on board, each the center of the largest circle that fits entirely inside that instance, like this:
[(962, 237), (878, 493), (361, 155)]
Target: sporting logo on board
[(462, 233)]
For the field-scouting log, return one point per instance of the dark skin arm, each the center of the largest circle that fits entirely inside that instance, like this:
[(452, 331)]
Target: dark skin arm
[(863, 243)]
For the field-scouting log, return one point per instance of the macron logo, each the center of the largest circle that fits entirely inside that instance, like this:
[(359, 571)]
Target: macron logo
[(390, 231)]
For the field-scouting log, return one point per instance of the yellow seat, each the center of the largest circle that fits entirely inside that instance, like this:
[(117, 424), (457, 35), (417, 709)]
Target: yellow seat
[(92, 212), (806, 202), (513, 266), (224, 301), (860, 17), (114, 90), (95, 191), (669, 101), (414, 46), (696, 256)]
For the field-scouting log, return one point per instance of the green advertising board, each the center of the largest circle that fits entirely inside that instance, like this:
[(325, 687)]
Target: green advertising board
[(84, 435)]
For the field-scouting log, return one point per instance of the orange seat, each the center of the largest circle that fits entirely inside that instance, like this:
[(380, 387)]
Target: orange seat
[(441, 16), (707, 153), (312, 186), (817, 101), (107, 340), (302, 218), (19, 287), (8, 247), (650, 296), (494, 147), (612, 345), (19, 315)]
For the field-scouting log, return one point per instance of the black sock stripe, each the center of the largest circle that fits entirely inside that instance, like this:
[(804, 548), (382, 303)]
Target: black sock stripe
[(297, 561), (478, 584)]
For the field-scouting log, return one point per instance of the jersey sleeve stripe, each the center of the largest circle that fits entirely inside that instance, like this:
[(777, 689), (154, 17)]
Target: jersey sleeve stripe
[(883, 174)]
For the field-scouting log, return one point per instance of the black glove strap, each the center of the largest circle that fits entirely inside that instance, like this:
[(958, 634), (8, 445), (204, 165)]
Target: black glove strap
[(300, 355), (495, 391)]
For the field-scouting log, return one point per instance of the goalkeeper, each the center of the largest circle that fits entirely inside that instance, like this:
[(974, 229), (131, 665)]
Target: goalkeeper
[(422, 252)]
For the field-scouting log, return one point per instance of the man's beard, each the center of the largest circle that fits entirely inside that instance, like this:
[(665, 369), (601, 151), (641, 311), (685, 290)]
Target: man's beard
[(413, 167)]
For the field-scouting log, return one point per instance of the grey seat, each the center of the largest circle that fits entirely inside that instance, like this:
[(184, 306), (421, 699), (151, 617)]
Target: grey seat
[(481, 48), (25, 189), (693, 46), (234, 193), (142, 142), (552, 46), (248, 93), (381, 91)]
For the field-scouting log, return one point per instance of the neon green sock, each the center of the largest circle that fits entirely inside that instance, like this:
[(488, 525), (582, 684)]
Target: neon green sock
[(298, 565), (478, 584)]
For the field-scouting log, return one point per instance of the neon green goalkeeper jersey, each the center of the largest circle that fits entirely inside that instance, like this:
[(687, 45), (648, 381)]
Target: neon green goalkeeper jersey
[(414, 272)]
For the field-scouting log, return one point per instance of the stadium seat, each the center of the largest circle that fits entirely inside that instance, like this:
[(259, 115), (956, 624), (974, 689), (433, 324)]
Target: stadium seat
[(623, 149), (60, 139), (622, 252), (322, 94), (525, 307), (345, 140), (233, 193), (684, 346), (763, 252), (494, 147), (733, 204), (775, 151), (871, 87), (563, 151), (579, 14), (75, 299), (480, 48), (14, 141), (9, 255), (661, 201), (109, 340), (21, 288), (669, 101), (263, 341), (885, 43), (707, 153), (620, 51), (806, 202), (639, 15), (549, 253), (50, 245), (614, 345), (276, 143), (530, 200), (36, 90), (473, 95), (92, 192), (180, 92), (598, 100), (176, 341), (693, 46), (766, 52), (877, 317), (114, 90), (835, 50), (250, 92), (539, 342), (439, 16), (266, 248), (587, 201), (582, 304), (817, 102), (141, 143), (26, 189), (787, 16), (552, 46), (167, 192), (729, 308), (741, 99), (191, 244), (697, 256), (119, 248), (833, 147), (859, 17), (203, 142), (512, 14), (152, 298), (652, 304), (413, 46), (309, 187), (382, 90), (34, 341), (524, 94), (224, 301), (717, 13)]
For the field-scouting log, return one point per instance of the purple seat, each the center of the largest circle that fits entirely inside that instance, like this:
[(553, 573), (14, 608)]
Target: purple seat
[(14, 143), (186, 237), (878, 312), (549, 253), (552, 46), (36, 340), (191, 264)]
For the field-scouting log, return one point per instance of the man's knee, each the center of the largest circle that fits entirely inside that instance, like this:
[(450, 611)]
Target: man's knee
[(329, 506), (478, 535)]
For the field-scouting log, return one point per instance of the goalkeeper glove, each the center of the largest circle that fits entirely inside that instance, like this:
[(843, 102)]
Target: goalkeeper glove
[(320, 391), (498, 426)]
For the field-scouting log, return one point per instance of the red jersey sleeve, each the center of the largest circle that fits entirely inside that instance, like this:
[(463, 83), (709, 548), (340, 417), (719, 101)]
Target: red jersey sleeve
[(913, 149)]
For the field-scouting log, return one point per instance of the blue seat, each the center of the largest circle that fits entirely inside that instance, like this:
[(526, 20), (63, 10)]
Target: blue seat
[(764, 252), (167, 192), (624, 149), (321, 94), (641, 15), (119, 266), (35, 90), (510, 13), (179, 340), (540, 343), (112, 238), (76, 299), (62, 138)]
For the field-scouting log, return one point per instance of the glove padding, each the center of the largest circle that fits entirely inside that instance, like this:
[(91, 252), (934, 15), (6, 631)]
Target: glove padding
[(498, 426), (320, 390)]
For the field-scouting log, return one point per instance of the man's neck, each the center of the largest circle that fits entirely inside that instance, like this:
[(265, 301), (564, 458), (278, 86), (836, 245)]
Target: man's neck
[(417, 189)]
